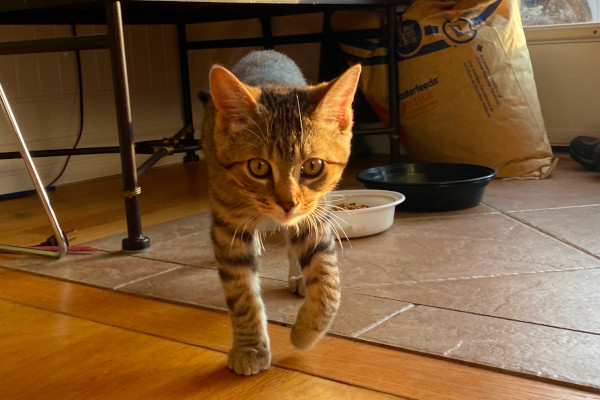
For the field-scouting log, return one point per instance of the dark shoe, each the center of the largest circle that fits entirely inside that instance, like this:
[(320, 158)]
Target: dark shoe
[(585, 150)]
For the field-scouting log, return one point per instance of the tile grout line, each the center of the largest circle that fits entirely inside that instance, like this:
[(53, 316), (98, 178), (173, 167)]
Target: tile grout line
[(381, 321), (466, 278), (549, 208), (122, 285), (486, 315), (545, 232)]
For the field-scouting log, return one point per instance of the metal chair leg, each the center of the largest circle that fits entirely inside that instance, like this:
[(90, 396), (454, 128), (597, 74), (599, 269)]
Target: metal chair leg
[(39, 188)]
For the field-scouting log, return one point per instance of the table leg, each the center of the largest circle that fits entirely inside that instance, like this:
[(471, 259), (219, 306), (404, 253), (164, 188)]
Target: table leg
[(135, 241), (190, 156), (393, 84)]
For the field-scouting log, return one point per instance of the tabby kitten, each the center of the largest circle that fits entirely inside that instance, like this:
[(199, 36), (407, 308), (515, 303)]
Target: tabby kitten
[(274, 148)]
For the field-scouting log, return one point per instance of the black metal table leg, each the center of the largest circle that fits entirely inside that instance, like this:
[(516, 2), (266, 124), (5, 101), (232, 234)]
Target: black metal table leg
[(186, 96), (135, 240), (393, 85)]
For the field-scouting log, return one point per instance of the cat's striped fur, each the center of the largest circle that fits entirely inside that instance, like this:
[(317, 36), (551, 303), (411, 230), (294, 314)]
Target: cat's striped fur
[(274, 149)]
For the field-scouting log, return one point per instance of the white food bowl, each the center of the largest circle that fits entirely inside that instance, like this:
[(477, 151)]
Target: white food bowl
[(378, 217)]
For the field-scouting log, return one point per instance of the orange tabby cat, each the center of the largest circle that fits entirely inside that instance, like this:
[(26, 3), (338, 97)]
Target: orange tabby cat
[(275, 146)]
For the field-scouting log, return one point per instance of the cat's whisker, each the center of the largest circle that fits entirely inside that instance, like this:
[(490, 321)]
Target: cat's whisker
[(234, 235), (331, 219), (270, 120), (261, 139), (297, 228), (326, 222), (262, 232), (333, 195), (310, 224), (318, 225), (315, 225), (312, 231), (247, 221), (250, 144), (337, 228), (320, 221), (300, 115), (258, 243), (247, 129), (335, 216)]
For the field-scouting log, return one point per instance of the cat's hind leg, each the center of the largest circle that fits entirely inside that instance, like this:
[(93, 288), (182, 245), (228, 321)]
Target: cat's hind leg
[(236, 255), (317, 257), (295, 277)]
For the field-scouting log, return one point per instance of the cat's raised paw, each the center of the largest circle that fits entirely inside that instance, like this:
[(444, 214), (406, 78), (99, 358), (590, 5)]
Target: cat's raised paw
[(303, 338), (297, 285), (244, 360)]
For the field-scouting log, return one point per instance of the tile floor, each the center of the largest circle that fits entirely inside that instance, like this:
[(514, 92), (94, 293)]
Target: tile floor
[(512, 283)]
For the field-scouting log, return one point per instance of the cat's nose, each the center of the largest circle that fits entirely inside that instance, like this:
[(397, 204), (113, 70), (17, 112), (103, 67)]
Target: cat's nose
[(287, 205)]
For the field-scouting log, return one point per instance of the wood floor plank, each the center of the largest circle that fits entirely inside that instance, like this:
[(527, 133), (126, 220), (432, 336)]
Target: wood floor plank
[(95, 208), (47, 355), (385, 370)]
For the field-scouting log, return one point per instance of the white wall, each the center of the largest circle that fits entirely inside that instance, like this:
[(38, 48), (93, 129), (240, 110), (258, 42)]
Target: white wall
[(43, 92), (566, 66)]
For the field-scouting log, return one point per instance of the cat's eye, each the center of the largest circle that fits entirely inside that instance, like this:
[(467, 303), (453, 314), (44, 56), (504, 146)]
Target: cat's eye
[(259, 167), (312, 167)]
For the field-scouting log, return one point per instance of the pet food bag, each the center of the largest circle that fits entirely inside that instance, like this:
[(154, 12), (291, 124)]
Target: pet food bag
[(466, 87)]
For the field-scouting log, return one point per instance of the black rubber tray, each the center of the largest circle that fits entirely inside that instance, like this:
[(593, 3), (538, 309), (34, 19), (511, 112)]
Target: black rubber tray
[(431, 187)]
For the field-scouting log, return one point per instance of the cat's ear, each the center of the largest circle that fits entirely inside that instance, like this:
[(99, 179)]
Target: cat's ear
[(231, 97), (336, 102)]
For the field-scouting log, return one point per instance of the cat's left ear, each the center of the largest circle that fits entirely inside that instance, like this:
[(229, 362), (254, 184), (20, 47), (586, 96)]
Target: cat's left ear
[(336, 104)]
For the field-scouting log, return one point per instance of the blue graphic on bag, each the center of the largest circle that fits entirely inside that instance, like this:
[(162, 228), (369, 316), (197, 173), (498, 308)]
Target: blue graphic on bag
[(410, 37), (458, 32)]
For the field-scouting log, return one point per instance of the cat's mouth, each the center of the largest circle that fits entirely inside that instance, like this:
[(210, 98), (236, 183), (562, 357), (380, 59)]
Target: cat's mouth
[(285, 219)]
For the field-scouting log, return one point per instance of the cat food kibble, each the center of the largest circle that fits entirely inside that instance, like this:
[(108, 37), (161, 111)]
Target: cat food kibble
[(350, 206)]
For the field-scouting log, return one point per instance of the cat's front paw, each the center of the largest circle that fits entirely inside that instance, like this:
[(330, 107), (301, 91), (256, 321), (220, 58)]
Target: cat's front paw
[(245, 360), (297, 285), (303, 338)]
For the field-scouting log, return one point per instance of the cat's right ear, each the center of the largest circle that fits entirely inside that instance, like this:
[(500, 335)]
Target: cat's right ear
[(232, 98)]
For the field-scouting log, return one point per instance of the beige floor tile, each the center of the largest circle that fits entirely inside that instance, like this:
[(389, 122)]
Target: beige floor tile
[(193, 250), (538, 350), (560, 299), (569, 185), (161, 233), (190, 285), (357, 313), (196, 250), (576, 225), (427, 249), (201, 287), (22, 260), (102, 269)]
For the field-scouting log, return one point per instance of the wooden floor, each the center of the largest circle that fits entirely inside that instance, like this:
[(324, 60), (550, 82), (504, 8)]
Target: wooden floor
[(60, 340)]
